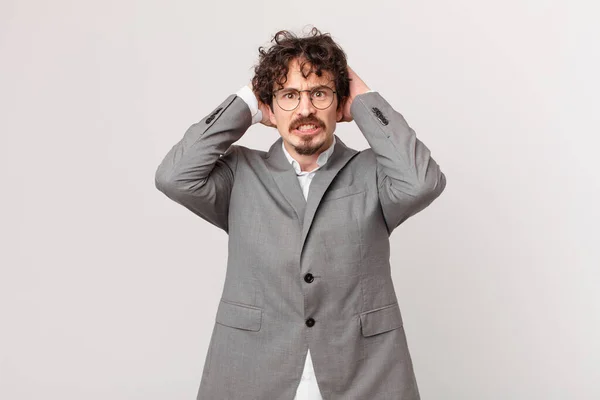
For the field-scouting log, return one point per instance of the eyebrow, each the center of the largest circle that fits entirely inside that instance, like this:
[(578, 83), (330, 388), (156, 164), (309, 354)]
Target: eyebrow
[(315, 87)]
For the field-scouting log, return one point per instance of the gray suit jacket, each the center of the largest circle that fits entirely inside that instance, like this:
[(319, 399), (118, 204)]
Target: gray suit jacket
[(305, 273)]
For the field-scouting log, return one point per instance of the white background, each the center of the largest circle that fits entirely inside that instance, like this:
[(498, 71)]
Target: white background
[(108, 289)]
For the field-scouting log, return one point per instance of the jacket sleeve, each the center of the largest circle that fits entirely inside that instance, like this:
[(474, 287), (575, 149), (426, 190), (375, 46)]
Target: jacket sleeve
[(199, 171), (408, 178)]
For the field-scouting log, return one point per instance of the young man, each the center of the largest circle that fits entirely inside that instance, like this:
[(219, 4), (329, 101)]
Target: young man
[(308, 284)]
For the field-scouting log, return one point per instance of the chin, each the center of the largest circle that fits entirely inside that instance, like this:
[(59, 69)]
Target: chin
[(309, 147)]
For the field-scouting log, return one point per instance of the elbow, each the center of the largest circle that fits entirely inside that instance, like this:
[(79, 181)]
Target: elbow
[(176, 185), (430, 187), (439, 183), (167, 183), (433, 186), (160, 184), (162, 181)]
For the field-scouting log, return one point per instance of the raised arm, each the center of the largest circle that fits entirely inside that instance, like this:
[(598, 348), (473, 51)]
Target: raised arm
[(198, 172), (408, 178)]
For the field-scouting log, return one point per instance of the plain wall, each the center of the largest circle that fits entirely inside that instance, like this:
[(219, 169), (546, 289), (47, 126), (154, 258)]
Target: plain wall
[(108, 289)]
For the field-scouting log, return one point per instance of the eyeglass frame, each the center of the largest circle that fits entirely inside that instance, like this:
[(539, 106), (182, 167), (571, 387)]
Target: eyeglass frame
[(300, 98)]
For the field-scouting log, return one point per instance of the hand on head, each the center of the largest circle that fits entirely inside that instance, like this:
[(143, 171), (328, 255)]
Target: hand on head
[(264, 109), (357, 86)]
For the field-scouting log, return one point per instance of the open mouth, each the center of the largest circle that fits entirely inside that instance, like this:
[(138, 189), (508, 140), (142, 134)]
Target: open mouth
[(307, 129)]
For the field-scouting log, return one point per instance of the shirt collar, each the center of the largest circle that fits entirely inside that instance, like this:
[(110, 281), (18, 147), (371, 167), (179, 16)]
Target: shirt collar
[(321, 160)]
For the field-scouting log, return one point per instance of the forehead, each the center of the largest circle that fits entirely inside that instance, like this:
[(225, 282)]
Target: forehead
[(296, 78)]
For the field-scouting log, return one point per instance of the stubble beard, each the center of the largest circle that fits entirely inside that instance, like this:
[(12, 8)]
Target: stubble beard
[(309, 146)]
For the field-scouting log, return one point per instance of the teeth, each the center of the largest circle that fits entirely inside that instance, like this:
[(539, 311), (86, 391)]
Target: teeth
[(306, 127)]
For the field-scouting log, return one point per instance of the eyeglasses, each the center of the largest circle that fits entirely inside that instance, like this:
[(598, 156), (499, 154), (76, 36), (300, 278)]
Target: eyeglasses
[(288, 99)]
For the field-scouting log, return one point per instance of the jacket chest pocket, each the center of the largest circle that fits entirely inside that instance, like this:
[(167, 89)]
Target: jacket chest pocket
[(343, 192), (240, 316)]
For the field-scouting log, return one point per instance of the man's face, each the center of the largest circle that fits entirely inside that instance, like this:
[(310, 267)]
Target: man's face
[(294, 126)]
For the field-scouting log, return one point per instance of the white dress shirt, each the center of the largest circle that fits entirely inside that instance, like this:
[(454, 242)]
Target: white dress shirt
[(308, 388)]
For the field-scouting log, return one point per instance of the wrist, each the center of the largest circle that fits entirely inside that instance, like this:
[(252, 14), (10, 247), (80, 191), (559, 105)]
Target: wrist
[(246, 94)]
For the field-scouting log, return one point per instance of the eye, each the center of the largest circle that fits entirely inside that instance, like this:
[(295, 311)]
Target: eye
[(319, 93)]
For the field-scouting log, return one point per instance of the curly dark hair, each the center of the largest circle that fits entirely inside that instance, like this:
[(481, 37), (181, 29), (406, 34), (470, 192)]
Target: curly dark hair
[(317, 50)]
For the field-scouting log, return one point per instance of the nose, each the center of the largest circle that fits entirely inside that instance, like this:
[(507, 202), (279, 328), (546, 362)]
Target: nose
[(305, 108)]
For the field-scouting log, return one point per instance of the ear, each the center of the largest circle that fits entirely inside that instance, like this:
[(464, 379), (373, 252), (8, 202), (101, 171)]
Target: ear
[(271, 116), (339, 114)]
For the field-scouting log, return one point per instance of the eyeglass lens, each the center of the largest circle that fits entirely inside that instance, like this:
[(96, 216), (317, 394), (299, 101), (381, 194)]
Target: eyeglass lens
[(288, 99)]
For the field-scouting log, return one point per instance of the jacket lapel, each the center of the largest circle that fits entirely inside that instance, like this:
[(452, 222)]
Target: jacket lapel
[(320, 182), (284, 176)]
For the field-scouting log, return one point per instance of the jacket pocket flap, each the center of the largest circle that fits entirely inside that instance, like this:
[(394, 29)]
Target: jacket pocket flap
[(239, 316), (343, 192), (381, 320)]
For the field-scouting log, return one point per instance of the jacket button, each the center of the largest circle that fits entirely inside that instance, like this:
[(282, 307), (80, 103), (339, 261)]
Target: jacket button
[(310, 322), (309, 278), (380, 116)]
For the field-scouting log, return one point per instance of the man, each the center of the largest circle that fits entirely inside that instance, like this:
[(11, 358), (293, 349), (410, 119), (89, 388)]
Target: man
[(308, 283)]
